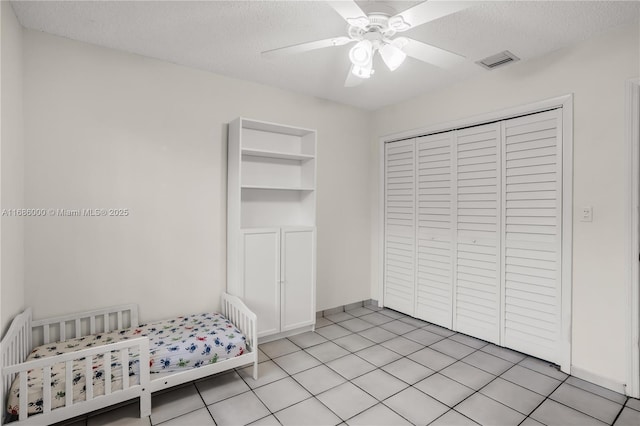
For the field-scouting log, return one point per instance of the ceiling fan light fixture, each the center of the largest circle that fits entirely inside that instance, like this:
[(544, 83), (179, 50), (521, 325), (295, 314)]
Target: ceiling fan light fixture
[(365, 71), (361, 54), (392, 55)]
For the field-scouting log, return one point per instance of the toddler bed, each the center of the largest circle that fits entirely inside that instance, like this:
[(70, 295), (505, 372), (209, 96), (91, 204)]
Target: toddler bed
[(123, 360)]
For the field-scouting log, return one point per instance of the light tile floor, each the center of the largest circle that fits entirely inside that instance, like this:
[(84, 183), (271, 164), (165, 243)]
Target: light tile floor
[(378, 367)]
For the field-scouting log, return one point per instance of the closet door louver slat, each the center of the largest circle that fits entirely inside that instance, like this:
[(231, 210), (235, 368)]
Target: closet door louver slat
[(434, 278), (399, 268), (477, 223), (532, 238)]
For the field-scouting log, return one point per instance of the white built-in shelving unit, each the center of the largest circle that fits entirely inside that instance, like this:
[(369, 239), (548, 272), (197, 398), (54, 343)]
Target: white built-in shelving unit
[(271, 217)]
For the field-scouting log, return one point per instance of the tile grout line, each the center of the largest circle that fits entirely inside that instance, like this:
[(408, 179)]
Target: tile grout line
[(204, 402), (409, 385), (542, 402), (185, 385), (406, 356), (271, 413), (458, 412), (355, 377), (461, 360), (301, 385), (619, 412), (574, 408)]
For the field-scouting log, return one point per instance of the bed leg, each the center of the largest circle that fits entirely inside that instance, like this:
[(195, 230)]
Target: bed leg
[(145, 404), (255, 370)]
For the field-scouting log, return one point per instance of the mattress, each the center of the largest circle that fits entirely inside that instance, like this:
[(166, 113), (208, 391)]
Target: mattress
[(176, 344)]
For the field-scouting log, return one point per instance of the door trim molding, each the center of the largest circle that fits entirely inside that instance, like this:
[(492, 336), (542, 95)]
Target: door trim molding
[(632, 138), (566, 103)]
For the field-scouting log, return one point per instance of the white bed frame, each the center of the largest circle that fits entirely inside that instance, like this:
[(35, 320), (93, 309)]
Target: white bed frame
[(24, 334)]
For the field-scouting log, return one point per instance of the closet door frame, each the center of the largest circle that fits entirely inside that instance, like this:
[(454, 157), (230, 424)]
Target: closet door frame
[(632, 136), (564, 102)]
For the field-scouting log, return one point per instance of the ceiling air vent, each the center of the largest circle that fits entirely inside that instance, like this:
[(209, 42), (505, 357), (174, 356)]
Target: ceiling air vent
[(498, 60)]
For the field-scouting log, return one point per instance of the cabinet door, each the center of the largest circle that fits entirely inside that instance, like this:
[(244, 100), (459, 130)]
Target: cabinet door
[(478, 232), (298, 278), (260, 251), (399, 224)]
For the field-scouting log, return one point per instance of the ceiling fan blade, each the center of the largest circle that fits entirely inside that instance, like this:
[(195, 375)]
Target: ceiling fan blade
[(431, 54), (348, 9), (352, 80), (429, 11), (305, 47)]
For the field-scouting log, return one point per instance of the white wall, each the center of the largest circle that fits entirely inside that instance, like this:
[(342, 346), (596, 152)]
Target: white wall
[(107, 129), (11, 166), (110, 129), (595, 71)]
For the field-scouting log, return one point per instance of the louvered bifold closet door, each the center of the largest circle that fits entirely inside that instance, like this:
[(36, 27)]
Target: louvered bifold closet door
[(400, 230), (434, 278), (532, 244), (477, 250)]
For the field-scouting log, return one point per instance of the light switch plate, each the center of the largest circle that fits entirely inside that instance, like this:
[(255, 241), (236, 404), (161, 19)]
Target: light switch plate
[(587, 214)]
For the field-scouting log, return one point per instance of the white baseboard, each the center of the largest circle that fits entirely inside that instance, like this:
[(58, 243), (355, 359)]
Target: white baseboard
[(605, 382)]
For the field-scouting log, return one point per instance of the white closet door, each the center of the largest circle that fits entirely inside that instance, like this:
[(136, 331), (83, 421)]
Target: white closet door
[(477, 250), (399, 262), (434, 279), (532, 244)]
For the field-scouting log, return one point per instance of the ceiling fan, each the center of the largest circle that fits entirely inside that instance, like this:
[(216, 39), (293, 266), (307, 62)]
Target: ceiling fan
[(375, 33)]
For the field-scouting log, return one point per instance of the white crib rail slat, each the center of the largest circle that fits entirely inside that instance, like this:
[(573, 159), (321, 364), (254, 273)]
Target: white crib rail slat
[(45, 333), (105, 322), (29, 342), (78, 328), (92, 325), (12, 353), (63, 331), (46, 389), (120, 324), (22, 342), (17, 346), (124, 358), (134, 317), (24, 395), (68, 384), (88, 377), (107, 373)]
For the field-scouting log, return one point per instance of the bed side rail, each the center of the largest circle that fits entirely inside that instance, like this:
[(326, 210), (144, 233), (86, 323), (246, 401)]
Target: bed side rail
[(81, 324), (22, 370), (241, 316)]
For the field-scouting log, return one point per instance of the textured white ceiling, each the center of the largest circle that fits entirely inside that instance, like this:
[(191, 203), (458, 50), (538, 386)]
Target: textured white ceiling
[(226, 37)]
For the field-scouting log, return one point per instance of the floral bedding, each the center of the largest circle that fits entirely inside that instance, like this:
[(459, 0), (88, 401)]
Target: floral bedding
[(176, 344)]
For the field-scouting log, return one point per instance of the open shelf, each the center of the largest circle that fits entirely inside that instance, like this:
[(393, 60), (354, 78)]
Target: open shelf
[(274, 208), (271, 176), (276, 154)]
